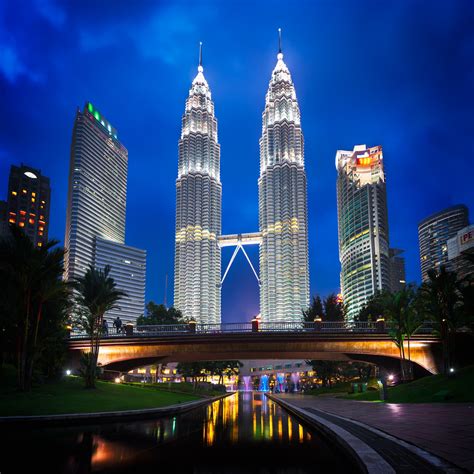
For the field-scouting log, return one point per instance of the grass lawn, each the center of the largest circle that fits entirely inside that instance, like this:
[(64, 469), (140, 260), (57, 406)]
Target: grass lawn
[(434, 388), (70, 396)]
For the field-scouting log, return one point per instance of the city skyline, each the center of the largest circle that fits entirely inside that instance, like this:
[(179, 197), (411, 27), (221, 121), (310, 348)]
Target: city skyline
[(404, 124)]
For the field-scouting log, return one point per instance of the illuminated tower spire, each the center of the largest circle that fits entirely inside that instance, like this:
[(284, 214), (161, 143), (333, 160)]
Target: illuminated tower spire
[(198, 208), (284, 291)]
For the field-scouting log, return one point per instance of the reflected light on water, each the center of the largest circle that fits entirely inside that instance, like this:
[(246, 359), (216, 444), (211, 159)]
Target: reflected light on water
[(248, 427)]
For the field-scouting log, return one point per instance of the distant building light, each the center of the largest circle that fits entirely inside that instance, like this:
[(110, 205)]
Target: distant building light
[(30, 175)]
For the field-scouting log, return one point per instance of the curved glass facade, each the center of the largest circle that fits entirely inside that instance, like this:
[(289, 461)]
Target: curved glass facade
[(362, 225)]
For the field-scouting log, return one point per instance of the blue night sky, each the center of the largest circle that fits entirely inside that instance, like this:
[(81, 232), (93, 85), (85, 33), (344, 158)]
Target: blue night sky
[(396, 73)]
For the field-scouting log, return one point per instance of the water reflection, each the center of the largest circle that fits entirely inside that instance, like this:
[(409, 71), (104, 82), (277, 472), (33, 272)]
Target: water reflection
[(241, 433)]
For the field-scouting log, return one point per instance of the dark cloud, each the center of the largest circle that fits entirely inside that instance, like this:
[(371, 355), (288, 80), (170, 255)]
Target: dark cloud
[(398, 74)]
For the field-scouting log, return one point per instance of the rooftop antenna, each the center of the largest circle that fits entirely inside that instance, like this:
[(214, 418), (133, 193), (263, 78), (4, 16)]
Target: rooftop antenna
[(279, 40), (200, 56)]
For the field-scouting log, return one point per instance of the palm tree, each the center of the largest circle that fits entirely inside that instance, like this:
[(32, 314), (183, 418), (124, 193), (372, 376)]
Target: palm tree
[(442, 301), (96, 293), (400, 312), (33, 277)]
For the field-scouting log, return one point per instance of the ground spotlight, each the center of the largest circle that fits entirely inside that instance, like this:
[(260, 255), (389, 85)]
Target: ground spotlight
[(117, 380), (68, 372), (391, 377)]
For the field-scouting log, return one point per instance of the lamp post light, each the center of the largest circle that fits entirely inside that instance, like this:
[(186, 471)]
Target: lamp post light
[(255, 323), (380, 324), (317, 323)]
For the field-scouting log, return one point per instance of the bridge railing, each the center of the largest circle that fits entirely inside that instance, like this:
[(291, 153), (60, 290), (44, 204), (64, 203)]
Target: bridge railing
[(325, 327)]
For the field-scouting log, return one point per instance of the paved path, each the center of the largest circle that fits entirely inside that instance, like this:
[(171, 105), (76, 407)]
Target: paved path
[(444, 429)]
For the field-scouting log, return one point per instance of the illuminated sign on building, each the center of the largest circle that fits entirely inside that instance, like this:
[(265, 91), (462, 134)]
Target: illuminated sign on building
[(466, 238)]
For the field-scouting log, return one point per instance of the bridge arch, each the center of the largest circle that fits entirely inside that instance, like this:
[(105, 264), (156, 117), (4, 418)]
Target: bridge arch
[(127, 353)]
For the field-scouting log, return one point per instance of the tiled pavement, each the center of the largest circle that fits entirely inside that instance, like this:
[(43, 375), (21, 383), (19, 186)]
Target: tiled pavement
[(444, 429)]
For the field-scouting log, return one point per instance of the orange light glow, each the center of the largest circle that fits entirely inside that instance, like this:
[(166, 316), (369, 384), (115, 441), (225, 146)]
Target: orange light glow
[(23, 213), (14, 193), (21, 224)]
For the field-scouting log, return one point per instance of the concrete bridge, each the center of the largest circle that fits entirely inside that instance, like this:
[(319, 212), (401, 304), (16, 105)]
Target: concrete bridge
[(365, 342)]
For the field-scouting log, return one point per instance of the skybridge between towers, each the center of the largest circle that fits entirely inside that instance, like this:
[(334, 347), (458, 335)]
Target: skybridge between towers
[(239, 241)]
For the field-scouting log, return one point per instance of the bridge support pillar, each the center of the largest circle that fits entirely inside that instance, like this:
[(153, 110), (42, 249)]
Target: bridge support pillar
[(192, 326)]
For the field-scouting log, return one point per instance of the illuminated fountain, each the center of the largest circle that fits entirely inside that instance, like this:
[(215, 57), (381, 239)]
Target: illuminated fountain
[(295, 378), (280, 383), (246, 383), (263, 387)]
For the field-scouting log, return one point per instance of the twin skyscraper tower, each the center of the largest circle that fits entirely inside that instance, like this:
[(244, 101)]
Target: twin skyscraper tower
[(283, 218)]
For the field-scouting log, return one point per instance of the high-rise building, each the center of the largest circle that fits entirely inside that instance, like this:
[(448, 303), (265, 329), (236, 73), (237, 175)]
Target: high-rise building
[(461, 252), (434, 233), (3, 219), (128, 269), (397, 270), (283, 218), (28, 201), (97, 189), (197, 292), (362, 225), (95, 221)]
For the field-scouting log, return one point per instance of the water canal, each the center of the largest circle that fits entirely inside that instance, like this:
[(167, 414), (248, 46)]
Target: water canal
[(243, 433)]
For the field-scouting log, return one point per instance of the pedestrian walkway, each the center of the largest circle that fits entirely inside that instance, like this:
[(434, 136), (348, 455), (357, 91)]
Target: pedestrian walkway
[(444, 429)]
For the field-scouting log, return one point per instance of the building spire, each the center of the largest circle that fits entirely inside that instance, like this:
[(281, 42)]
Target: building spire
[(200, 68), (279, 41)]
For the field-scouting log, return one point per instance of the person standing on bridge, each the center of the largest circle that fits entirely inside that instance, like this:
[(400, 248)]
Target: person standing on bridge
[(118, 324), (105, 328)]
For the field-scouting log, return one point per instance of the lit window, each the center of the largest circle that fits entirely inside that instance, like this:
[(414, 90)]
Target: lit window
[(41, 229), (23, 213), (21, 224), (12, 221), (33, 200), (40, 244), (14, 193), (33, 194), (40, 233), (23, 191), (31, 221)]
